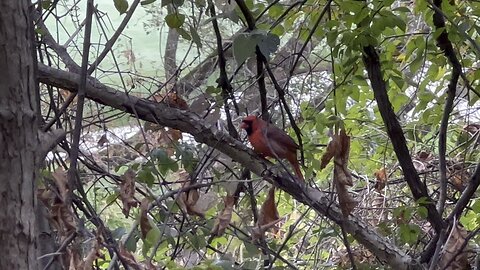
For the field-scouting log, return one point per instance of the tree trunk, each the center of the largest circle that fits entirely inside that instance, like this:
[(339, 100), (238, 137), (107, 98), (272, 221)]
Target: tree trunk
[(18, 138)]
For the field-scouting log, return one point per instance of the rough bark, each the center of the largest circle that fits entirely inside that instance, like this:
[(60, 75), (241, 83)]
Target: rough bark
[(18, 138), (190, 123)]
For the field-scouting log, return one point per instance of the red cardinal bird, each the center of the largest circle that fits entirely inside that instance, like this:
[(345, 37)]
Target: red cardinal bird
[(270, 141)]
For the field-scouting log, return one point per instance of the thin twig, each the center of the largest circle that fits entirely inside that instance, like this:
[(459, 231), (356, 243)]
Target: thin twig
[(59, 251), (73, 181), (443, 42), (113, 39)]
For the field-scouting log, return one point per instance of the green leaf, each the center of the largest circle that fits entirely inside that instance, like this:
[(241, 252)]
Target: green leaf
[(146, 176), (197, 241), (111, 198), (195, 36), (402, 9), (422, 212), (189, 162), (40, 31), (175, 3), (46, 4), (213, 90), (183, 33), (175, 20), (275, 11), (267, 43), (200, 3), (278, 30), (131, 244), (252, 250), (146, 2), (121, 5), (243, 48), (409, 233), (476, 206)]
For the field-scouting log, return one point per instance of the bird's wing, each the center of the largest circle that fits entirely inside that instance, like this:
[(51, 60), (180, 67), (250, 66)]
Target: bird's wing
[(282, 138)]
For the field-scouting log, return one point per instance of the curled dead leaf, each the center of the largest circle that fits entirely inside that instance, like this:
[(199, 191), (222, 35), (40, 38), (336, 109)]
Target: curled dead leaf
[(92, 255), (454, 256), (172, 99), (103, 140), (127, 191), (128, 258), (345, 200), (60, 178), (60, 214), (472, 128), (187, 200), (268, 216), (381, 176), (145, 225), (224, 217), (339, 149)]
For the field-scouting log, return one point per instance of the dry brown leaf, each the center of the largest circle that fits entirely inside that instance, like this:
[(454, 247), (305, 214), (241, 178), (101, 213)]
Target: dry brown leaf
[(59, 213), (345, 200), (424, 156), (187, 200), (339, 149), (224, 217), (91, 256), (329, 153), (460, 178), (63, 218), (127, 191), (381, 176), (145, 225), (452, 247), (73, 258), (172, 99), (103, 140), (60, 178), (174, 134), (472, 128), (267, 217), (128, 258)]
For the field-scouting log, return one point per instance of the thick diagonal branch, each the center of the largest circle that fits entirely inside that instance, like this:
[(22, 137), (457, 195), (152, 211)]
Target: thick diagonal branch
[(395, 132), (192, 124), (443, 42)]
